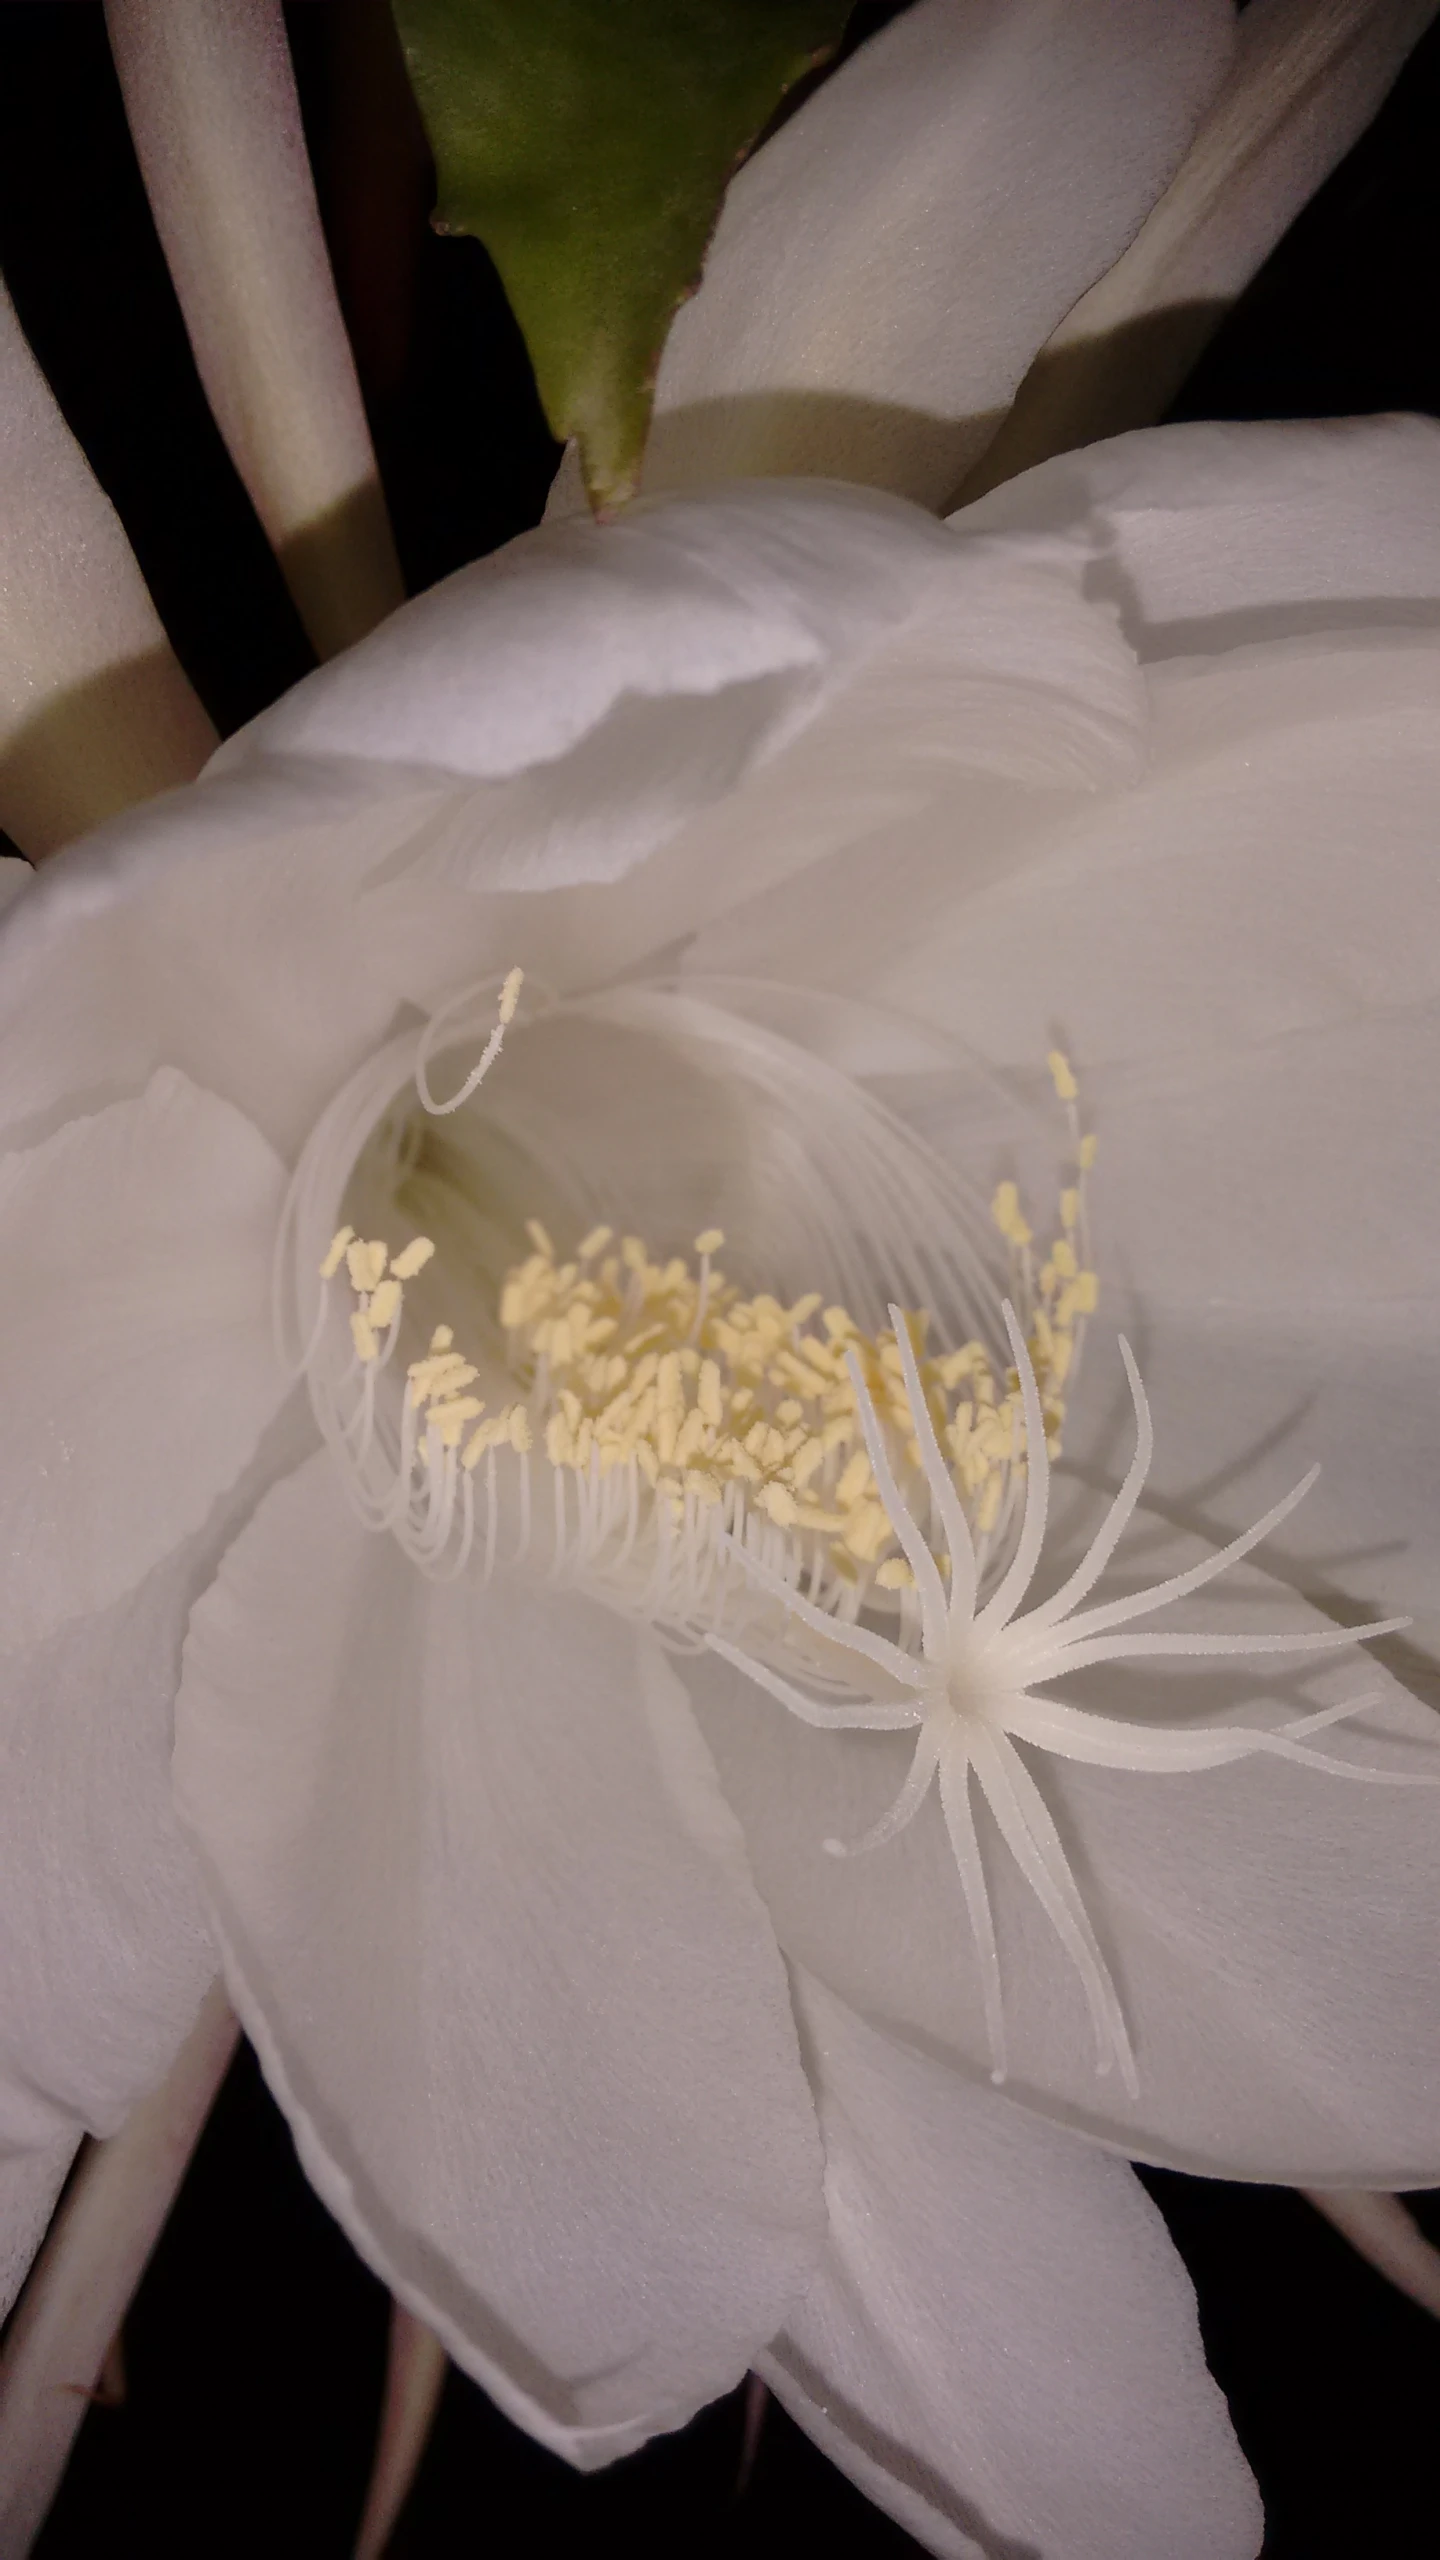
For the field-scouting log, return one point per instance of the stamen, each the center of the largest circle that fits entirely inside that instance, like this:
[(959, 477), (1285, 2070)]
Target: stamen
[(509, 999)]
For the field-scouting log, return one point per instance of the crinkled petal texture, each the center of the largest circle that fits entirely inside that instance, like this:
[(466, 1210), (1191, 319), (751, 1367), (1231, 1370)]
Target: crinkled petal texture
[(1001, 2344), (548, 717), (489, 1923)]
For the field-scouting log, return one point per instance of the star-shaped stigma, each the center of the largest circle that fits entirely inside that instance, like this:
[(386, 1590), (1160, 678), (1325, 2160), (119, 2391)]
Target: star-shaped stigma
[(981, 1682)]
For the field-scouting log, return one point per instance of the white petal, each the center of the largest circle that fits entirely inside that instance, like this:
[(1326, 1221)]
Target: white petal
[(488, 1921), (1305, 83), (105, 1953), (547, 716), (1210, 535), (211, 101), (1270, 873), (95, 709), (110, 962), (1000, 674), (1269, 1927), (512, 662), (137, 1370), (1001, 2344), (30, 2183), (885, 267)]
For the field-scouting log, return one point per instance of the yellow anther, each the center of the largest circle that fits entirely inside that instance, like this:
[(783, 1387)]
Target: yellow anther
[(521, 1435), (384, 1304), (854, 1481), (1006, 1212), (1088, 1146), (1069, 1209), (778, 1505), (335, 1256), (895, 1575), (594, 1243), (709, 1240), (1064, 1075), (365, 1264), (409, 1264), (362, 1334), (809, 1456), (510, 995), (539, 1239), (708, 1398), (450, 1419), (441, 1338)]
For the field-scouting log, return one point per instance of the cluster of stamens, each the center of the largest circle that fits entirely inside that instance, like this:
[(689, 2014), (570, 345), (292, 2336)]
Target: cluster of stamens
[(802, 1496), (662, 1388)]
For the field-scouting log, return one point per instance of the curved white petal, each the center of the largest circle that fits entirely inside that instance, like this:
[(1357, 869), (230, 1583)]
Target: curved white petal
[(95, 709), (488, 1921), (1001, 2344), (547, 716), (1002, 680), (137, 1370), (1209, 535), (210, 97), (1305, 83), (885, 267), (1269, 1927), (106, 1950), (109, 962), (30, 2183)]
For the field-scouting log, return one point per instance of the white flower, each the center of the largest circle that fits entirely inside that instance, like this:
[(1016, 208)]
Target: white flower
[(815, 827)]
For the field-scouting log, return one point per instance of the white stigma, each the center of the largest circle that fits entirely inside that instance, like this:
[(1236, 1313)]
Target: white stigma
[(978, 1683)]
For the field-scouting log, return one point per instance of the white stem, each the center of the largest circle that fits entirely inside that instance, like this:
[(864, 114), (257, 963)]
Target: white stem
[(95, 709), (1388, 2238), (210, 94), (88, 2271), (414, 2379)]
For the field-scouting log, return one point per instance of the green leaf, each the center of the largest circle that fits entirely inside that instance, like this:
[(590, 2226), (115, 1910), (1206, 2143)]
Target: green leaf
[(588, 143)]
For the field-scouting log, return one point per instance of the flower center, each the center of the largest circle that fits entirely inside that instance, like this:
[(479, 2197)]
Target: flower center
[(849, 1514)]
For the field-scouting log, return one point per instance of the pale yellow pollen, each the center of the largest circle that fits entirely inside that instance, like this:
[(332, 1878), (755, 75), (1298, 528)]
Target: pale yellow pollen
[(365, 1263), (510, 995), (1064, 1075), (666, 1368), (385, 1303), (1005, 1210), (409, 1264), (1088, 1146)]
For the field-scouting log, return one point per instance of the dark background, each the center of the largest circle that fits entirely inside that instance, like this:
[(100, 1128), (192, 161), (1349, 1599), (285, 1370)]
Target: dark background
[(254, 2352)]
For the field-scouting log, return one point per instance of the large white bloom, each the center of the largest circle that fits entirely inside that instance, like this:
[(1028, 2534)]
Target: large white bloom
[(815, 826)]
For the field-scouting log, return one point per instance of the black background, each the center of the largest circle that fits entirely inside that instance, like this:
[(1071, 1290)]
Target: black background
[(254, 2351)]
